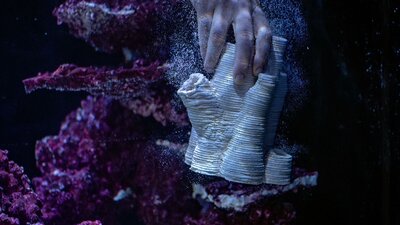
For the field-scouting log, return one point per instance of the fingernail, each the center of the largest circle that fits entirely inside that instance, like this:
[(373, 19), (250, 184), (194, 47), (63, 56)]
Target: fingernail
[(256, 71), (208, 68), (238, 79)]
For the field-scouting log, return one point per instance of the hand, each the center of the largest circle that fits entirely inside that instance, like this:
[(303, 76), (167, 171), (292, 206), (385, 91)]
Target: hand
[(249, 23)]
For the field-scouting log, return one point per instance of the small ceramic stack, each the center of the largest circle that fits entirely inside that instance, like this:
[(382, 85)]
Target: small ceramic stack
[(234, 125), (207, 144)]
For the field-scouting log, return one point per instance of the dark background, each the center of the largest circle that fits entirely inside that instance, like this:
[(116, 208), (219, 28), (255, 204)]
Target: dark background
[(350, 122)]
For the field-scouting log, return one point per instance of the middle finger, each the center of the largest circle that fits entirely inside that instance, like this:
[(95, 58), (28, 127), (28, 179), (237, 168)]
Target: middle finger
[(244, 42)]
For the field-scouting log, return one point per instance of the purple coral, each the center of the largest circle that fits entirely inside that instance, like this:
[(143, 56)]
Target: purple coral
[(118, 83), (18, 203), (85, 165), (140, 87), (112, 25)]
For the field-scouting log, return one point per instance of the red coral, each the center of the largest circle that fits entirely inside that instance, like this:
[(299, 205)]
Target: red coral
[(18, 203)]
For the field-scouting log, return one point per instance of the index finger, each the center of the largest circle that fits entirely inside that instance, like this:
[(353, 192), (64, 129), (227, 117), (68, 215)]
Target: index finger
[(244, 43), (205, 11)]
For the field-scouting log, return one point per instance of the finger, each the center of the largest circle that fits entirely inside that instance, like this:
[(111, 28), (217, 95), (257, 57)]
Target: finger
[(219, 29), (205, 11), (244, 42), (204, 26), (263, 37)]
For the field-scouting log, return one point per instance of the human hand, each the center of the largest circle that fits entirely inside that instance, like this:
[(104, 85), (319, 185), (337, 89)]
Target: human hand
[(251, 29)]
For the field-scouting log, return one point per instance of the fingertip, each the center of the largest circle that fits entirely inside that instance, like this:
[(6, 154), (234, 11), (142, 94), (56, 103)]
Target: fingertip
[(209, 63), (259, 64), (240, 72), (256, 71), (238, 79), (209, 68)]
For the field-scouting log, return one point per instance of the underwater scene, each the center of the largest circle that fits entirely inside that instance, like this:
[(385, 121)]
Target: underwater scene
[(200, 112)]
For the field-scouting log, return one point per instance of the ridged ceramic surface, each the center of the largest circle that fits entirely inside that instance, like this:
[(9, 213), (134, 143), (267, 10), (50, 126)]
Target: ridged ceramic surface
[(234, 125)]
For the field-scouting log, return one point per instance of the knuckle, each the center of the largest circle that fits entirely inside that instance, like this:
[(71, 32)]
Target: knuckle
[(264, 32), (204, 19), (218, 35), (244, 15), (258, 11), (258, 61), (242, 65), (245, 36)]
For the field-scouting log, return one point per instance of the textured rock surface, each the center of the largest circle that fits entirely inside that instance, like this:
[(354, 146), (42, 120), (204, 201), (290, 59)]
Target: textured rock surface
[(112, 25), (19, 204), (106, 161), (79, 166), (91, 223), (140, 87)]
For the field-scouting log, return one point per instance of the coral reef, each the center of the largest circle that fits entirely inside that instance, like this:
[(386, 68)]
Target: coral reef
[(101, 165), (19, 204), (121, 152)]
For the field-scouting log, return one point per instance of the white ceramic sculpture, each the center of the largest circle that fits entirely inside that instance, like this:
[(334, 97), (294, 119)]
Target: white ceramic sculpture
[(234, 125)]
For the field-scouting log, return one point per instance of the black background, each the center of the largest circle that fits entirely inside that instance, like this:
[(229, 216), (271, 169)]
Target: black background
[(350, 122)]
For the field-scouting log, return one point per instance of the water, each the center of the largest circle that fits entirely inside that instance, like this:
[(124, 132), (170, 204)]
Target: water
[(340, 118)]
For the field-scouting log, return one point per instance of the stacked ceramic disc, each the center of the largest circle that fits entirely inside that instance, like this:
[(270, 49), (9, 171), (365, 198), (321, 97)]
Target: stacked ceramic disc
[(243, 161), (279, 167)]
